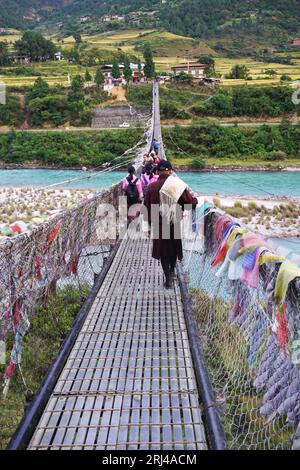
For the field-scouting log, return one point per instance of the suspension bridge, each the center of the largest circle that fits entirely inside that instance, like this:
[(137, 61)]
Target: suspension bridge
[(212, 363)]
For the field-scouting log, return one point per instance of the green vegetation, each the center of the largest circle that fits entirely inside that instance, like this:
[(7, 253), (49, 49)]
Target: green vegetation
[(239, 72), (127, 70), (149, 68), (35, 46), (10, 113), (48, 329), (176, 100), (249, 101), (234, 27), (54, 106), (181, 100), (99, 77), (74, 149), (4, 54), (230, 26), (116, 70), (232, 145)]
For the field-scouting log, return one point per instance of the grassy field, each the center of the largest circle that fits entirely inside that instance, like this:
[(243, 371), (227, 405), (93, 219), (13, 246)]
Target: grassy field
[(227, 163), (257, 71), (168, 49)]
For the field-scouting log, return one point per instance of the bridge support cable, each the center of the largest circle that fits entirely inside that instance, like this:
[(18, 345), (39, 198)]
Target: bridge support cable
[(124, 378)]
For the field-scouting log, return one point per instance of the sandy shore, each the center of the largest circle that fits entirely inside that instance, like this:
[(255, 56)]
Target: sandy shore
[(21, 209), (269, 216)]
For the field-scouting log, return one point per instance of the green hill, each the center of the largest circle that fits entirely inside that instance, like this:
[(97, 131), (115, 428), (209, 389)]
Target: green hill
[(226, 25)]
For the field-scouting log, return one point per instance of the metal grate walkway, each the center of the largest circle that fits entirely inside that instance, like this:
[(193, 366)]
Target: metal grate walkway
[(129, 381)]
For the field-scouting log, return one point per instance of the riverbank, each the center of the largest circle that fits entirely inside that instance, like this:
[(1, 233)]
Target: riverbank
[(179, 167), (22, 209), (271, 217)]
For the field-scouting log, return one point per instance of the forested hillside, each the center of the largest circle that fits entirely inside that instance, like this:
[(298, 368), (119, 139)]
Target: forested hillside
[(12, 12), (241, 23), (226, 23)]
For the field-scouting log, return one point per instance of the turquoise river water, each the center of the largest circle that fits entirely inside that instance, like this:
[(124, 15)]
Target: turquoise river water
[(230, 183)]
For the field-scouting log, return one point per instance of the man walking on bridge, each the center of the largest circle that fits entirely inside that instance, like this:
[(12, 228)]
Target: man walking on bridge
[(165, 200)]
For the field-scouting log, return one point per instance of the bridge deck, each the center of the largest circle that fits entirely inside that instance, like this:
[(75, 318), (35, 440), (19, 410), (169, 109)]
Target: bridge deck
[(129, 381)]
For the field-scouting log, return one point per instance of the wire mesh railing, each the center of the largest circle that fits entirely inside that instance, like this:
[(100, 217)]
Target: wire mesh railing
[(45, 276), (65, 250), (248, 313)]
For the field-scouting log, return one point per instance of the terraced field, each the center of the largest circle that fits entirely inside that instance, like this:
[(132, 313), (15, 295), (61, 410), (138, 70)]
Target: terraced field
[(168, 49), (257, 71)]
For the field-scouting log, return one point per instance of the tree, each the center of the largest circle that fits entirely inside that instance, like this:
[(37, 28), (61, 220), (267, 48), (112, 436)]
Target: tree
[(87, 76), (127, 70), (116, 70), (184, 78), (74, 55), (52, 108), (40, 89), (271, 72), (149, 68), (77, 37), (140, 70), (239, 72), (99, 77), (4, 56), (210, 65), (77, 84), (35, 46)]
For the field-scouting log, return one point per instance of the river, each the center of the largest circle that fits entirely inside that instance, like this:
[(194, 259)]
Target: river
[(226, 183), (231, 183)]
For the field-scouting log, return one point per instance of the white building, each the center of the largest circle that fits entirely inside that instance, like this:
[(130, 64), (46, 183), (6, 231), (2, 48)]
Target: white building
[(58, 56), (85, 19), (190, 68), (109, 18), (109, 80)]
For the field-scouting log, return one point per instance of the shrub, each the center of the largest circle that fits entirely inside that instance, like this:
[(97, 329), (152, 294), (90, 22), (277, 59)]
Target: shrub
[(276, 155), (285, 78), (217, 201), (198, 164), (171, 110), (252, 205), (237, 212)]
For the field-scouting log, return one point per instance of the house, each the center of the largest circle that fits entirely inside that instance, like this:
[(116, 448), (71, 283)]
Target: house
[(109, 18), (32, 17), (58, 56), (109, 80), (192, 68), (2, 30), (85, 19), (21, 59), (212, 82), (135, 73), (296, 42)]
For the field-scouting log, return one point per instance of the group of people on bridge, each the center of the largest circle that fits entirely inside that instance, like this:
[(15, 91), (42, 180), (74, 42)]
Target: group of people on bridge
[(158, 187)]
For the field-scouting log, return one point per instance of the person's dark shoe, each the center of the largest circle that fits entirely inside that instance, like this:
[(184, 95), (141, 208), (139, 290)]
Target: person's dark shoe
[(168, 285)]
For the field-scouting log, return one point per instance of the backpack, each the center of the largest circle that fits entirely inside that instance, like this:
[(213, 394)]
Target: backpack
[(132, 192)]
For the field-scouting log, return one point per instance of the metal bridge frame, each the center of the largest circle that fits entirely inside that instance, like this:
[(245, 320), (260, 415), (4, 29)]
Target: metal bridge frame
[(214, 429)]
